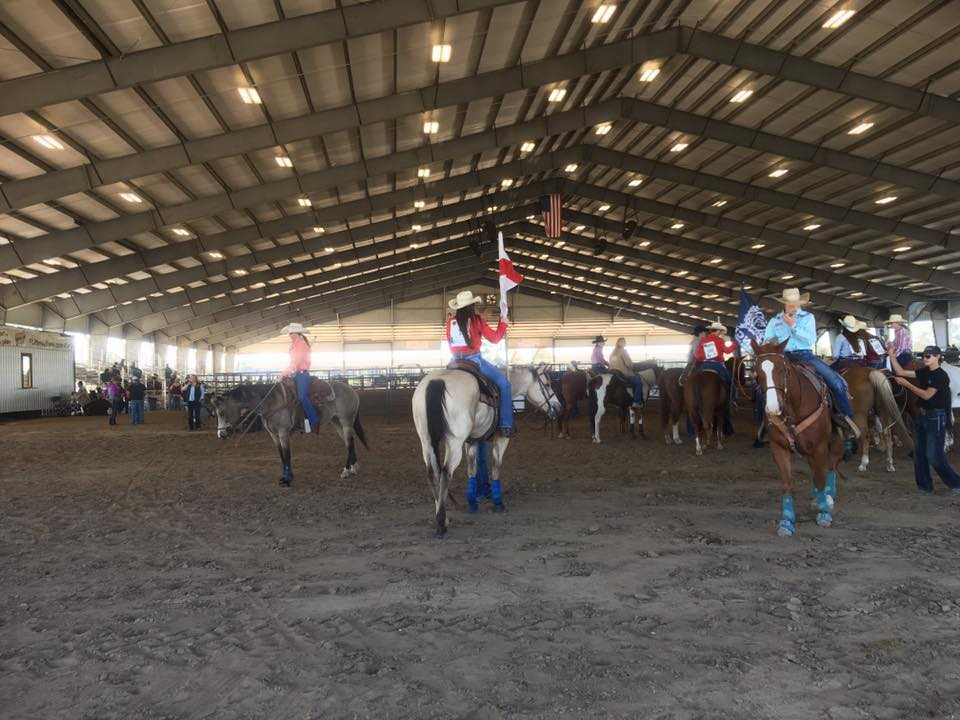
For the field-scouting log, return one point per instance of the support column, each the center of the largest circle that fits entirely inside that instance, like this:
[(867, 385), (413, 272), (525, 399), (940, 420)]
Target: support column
[(230, 359), (202, 348), (98, 351), (217, 359), (938, 314), (182, 347), (131, 351)]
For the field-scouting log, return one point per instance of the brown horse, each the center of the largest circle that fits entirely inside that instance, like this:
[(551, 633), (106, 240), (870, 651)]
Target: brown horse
[(574, 388), (799, 418), (873, 398), (705, 397), (671, 403)]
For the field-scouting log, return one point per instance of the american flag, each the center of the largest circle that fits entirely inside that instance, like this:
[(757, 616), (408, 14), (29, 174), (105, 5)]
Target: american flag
[(552, 214)]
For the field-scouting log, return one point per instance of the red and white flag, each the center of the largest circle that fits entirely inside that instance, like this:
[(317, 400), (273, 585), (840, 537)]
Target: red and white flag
[(509, 277)]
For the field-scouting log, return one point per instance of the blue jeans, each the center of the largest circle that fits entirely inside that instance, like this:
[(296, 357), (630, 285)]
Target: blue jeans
[(302, 379), (931, 427), (637, 383), (599, 368), (837, 385), (136, 412), (492, 373)]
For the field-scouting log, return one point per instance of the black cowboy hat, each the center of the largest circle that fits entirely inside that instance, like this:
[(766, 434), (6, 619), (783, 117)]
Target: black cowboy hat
[(699, 328), (599, 339)]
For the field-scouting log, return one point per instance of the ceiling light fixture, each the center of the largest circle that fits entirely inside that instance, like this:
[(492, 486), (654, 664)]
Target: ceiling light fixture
[(250, 96), (780, 172), (648, 74), (528, 146), (572, 167), (557, 95), (48, 141), (423, 172), (741, 96), (431, 127), (838, 19), (603, 208), (860, 129), (182, 232), (902, 248), (886, 200), (602, 128), (814, 226), (603, 14), (635, 182), (787, 277), (304, 202), (419, 204), (676, 226), (506, 182), (441, 53), (131, 197), (216, 255), (837, 265), (720, 203), (758, 246), (319, 230), (680, 147), (284, 161)]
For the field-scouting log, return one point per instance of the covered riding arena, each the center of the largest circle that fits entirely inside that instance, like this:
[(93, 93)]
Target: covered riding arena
[(181, 179)]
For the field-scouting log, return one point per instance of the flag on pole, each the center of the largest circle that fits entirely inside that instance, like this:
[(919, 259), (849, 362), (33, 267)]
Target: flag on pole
[(751, 322), (552, 214), (509, 277)]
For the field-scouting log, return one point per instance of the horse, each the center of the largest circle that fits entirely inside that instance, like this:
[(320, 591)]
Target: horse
[(799, 419), (671, 403), (573, 388), (280, 411), (873, 395), (448, 413), (705, 397)]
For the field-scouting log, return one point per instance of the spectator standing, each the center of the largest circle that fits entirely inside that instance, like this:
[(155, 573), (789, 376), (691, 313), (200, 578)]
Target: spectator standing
[(138, 391), (113, 392), (193, 393), (175, 393), (933, 388)]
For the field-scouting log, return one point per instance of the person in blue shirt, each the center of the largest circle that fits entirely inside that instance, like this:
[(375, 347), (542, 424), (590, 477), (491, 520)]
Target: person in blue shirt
[(798, 328), (847, 348)]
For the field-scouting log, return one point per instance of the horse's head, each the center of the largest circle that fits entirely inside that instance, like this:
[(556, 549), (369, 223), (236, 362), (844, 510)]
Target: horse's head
[(227, 409), (771, 372), (536, 387)]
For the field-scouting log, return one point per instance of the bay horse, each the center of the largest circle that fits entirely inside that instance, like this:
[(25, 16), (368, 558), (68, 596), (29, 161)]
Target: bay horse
[(705, 398), (873, 397), (799, 418), (449, 413), (281, 413), (671, 404), (574, 388)]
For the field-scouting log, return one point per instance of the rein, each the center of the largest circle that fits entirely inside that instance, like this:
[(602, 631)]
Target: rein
[(548, 396), (256, 411)]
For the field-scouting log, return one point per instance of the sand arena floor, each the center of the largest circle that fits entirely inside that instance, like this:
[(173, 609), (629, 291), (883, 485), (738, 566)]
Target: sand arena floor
[(154, 573)]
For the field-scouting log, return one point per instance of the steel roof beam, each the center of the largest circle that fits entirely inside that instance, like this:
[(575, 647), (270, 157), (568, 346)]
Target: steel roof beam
[(232, 48)]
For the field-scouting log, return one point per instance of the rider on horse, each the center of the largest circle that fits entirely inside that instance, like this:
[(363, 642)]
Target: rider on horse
[(465, 331), (299, 369), (709, 353), (847, 347), (902, 340), (598, 363), (875, 349), (798, 328), (621, 362)]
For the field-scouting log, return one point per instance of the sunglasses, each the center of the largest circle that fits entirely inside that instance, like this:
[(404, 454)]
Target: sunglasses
[(929, 355)]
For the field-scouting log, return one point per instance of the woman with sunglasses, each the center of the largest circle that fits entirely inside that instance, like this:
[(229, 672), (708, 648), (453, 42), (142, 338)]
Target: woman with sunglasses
[(933, 389)]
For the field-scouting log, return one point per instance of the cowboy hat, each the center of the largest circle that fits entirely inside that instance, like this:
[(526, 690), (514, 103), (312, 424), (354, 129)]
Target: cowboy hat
[(862, 325), (599, 339), (850, 323), (293, 328), (463, 299), (793, 296), (717, 325), (895, 318)]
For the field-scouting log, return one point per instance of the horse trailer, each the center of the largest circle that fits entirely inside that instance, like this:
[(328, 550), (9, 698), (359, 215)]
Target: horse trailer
[(35, 366)]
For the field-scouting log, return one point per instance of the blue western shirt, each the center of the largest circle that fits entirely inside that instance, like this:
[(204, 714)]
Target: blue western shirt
[(802, 336)]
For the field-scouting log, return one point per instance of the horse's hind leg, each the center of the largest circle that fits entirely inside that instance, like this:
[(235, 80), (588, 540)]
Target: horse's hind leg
[(864, 425), (472, 505), (888, 442), (453, 455), (497, 449), (823, 497), (283, 445)]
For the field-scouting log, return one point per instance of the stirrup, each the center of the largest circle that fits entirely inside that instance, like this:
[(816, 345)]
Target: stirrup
[(306, 426)]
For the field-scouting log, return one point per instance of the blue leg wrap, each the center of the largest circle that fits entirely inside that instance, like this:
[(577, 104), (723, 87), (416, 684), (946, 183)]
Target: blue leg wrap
[(472, 494), (496, 493), (831, 487), (788, 518)]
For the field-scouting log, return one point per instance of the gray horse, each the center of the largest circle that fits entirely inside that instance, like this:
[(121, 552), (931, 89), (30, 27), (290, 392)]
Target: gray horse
[(279, 408), (448, 413)]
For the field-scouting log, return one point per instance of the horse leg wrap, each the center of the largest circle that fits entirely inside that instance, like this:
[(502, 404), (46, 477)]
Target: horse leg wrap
[(287, 477), (788, 518), (496, 494), (831, 486), (472, 494)]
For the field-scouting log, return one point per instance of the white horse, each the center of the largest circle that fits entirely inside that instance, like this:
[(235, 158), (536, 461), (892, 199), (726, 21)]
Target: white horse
[(448, 414)]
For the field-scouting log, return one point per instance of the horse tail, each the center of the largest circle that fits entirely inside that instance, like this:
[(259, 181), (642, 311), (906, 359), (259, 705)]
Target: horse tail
[(884, 394), (436, 416), (358, 429)]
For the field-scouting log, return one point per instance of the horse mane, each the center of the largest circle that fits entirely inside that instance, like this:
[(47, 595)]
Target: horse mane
[(247, 392)]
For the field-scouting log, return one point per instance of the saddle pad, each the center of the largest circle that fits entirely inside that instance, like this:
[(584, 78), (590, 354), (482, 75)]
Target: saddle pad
[(489, 393), (818, 382)]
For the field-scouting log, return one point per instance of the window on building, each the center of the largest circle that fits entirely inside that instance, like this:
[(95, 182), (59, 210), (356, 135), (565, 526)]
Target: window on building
[(26, 371)]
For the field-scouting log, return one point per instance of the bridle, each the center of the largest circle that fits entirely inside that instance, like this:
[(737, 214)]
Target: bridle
[(546, 389), (785, 422), (783, 394)]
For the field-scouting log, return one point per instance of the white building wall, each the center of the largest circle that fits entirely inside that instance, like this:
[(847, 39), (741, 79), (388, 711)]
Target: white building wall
[(52, 361)]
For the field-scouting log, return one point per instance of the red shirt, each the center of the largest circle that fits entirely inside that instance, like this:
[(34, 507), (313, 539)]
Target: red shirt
[(478, 330), (299, 356), (712, 347)]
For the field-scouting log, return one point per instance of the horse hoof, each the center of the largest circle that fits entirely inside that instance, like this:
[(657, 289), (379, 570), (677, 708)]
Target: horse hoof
[(891, 468), (286, 482), (786, 528), (824, 519), (499, 508), (596, 441), (439, 534), (473, 506), (862, 467)]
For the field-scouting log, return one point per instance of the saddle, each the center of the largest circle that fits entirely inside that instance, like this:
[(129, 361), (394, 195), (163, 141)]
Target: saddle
[(320, 393), (489, 393)]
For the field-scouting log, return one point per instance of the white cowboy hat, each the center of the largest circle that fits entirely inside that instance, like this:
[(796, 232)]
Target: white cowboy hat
[(850, 323), (293, 328), (895, 318), (463, 298), (793, 296), (718, 326), (862, 325)]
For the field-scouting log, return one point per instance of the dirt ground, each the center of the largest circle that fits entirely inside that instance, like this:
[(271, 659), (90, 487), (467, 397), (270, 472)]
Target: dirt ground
[(150, 572)]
